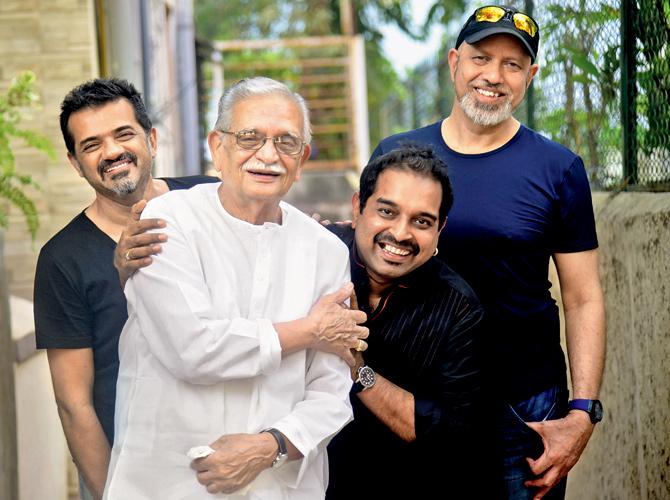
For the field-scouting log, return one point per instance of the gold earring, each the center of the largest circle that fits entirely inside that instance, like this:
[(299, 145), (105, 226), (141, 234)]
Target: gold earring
[(435, 252)]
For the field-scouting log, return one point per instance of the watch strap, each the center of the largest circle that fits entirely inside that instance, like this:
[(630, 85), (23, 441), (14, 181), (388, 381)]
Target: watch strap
[(357, 387), (282, 452), (591, 406)]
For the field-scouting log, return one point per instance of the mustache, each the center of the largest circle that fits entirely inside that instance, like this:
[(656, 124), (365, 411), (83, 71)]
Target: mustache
[(104, 164), (498, 87), (387, 237), (259, 166)]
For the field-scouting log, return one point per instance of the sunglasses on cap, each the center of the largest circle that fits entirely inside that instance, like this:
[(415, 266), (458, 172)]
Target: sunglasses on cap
[(496, 19), (494, 13)]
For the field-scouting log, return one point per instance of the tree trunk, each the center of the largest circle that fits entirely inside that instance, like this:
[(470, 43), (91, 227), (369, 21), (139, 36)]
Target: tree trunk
[(8, 464)]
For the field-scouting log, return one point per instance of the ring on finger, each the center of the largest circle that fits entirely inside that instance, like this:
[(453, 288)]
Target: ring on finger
[(127, 255), (360, 346)]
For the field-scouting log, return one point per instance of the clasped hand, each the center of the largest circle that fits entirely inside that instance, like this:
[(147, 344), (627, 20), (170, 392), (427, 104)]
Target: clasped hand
[(336, 327), (236, 461)]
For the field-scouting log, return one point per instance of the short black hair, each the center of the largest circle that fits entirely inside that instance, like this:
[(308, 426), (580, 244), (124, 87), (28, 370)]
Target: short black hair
[(96, 93), (417, 158)]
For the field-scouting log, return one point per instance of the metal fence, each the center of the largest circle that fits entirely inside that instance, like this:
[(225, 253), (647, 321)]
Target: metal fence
[(603, 89)]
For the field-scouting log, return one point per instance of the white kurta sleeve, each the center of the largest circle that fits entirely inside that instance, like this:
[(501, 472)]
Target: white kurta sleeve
[(174, 309), (325, 408)]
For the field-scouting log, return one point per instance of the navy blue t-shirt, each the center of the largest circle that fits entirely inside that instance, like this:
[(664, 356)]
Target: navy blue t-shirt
[(79, 302), (513, 208)]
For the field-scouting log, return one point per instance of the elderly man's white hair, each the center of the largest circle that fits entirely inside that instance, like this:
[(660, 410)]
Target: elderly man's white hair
[(259, 86)]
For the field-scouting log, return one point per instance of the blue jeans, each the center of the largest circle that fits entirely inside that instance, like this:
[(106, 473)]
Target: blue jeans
[(518, 441)]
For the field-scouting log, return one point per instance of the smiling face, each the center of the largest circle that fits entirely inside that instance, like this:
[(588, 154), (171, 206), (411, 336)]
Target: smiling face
[(490, 78), (112, 151), (258, 178), (398, 229)]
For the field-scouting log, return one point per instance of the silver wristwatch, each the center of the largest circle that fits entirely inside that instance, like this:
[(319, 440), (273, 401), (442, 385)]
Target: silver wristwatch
[(282, 452), (366, 379)]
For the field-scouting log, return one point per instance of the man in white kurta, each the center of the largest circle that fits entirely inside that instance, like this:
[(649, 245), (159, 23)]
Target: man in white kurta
[(209, 354)]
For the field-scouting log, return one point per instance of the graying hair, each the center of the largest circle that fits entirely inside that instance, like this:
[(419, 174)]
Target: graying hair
[(259, 86)]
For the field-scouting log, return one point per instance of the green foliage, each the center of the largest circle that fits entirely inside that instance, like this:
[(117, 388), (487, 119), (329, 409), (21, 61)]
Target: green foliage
[(20, 95), (653, 30), (252, 19), (583, 54), (581, 47)]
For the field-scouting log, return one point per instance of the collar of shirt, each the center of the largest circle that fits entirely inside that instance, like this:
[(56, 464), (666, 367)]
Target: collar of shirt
[(420, 277)]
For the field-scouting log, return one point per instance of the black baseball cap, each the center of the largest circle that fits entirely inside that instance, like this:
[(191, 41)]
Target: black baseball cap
[(512, 22)]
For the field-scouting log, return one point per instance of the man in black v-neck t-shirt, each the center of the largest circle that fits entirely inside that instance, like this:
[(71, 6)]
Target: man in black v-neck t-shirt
[(79, 302), (80, 308)]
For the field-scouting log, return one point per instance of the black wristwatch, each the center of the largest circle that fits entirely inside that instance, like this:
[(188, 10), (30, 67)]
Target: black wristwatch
[(591, 406), (366, 379), (282, 453)]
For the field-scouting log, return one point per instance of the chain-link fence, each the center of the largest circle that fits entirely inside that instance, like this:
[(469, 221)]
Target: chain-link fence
[(576, 97), (603, 89)]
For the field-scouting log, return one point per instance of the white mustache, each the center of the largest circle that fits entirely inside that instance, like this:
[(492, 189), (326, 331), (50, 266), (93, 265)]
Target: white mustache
[(259, 166)]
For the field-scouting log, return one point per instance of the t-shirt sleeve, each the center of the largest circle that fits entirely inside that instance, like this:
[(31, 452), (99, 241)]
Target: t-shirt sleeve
[(62, 319), (577, 227), (175, 183)]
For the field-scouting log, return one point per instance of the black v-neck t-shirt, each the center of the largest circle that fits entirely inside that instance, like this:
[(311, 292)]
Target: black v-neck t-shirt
[(79, 302)]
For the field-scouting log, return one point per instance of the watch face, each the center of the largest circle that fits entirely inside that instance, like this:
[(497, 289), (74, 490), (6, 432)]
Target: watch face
[(597, 411), (366, 376), (279, 460)]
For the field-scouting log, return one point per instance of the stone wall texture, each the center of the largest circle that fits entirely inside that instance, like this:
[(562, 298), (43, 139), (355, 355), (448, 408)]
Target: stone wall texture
[(56, 40), (629, 454)]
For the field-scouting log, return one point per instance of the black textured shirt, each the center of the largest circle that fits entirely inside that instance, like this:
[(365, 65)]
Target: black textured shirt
[(423, 338)]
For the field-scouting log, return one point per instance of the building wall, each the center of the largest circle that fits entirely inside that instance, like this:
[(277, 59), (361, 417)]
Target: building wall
[(43, 457), (629, 454), (56, 40)]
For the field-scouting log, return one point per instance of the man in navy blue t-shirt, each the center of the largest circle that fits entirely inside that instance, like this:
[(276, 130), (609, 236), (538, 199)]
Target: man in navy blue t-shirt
[(519, 200)]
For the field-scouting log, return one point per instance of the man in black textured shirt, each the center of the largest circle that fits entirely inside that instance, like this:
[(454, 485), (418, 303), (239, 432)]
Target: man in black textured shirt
[(417, 385)]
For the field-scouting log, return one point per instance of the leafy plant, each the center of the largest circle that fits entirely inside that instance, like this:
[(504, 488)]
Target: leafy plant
[(19, 96)]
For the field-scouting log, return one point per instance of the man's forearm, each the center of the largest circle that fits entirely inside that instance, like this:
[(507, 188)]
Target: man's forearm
[(584, 308), (88, 446), (392, 405), (294, 335), (585, 336)]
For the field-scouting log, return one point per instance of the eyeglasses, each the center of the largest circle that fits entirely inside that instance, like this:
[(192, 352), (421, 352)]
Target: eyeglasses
[(494, 13), (251, 140)]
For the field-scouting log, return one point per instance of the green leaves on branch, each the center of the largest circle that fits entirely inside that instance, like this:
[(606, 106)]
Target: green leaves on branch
[(581, 60), (20, 96)]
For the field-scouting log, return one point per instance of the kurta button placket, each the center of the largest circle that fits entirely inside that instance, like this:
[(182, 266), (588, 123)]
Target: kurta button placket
[(261, 270)]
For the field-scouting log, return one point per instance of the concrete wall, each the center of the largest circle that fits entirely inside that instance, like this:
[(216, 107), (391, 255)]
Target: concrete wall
[(43, 457), (56, 40), (629, 454)]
